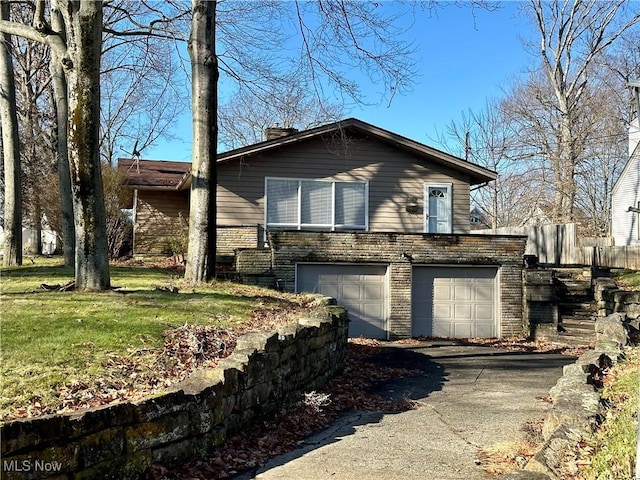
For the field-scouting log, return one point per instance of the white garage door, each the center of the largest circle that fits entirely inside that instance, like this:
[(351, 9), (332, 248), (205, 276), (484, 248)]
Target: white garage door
[(361, 289), (454, 302)]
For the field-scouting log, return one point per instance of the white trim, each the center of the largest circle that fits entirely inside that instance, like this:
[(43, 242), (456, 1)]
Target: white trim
[(333, 226), (425, 213)]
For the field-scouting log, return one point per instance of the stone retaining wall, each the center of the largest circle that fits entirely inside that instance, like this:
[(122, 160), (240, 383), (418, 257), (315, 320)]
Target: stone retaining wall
[(576, 403), (265, 372), (611, 299)]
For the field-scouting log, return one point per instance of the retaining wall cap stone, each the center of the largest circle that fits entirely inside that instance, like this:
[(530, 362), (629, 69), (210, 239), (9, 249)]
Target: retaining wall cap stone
[(610, 331), (553, 451), (573, 384), (252, 341), (311, 322), (202, 379)]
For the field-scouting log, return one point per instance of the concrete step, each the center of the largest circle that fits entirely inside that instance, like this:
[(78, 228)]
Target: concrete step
[(577, 326), (577, 308), (575, 340), (564, 291)]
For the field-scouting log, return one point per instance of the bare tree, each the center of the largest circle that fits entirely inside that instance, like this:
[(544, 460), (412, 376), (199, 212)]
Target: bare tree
[(142, 84), (77, 45), (201, 254), (486, 138), (242, 120), (35, 123), (572, 36), (11, 153)]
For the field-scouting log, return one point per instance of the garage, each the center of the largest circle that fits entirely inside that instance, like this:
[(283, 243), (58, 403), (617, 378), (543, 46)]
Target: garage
[(361, 289), (454, 302)]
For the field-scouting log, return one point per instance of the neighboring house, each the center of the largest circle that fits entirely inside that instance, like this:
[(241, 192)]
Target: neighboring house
[(625, 196), (478, 219), (48, 238), (376, 220)]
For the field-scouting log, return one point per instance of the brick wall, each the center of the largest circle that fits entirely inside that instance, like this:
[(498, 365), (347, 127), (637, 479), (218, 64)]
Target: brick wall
[(401, 252), (265, 372), (230, 238)]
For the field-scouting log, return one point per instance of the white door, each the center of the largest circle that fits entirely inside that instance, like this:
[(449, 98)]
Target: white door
[(438, 214), (361, 289), (454, 302)]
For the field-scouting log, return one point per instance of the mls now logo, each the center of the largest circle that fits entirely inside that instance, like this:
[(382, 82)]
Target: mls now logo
[(30, 466)]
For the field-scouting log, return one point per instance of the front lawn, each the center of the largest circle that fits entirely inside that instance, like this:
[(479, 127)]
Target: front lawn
[(627, 279), (63, 350)]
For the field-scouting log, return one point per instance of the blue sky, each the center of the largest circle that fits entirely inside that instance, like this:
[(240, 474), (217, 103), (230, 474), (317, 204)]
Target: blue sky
[(464, 57)]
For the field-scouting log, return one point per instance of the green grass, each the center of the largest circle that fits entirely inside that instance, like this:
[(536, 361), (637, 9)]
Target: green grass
[(614, 448), (52, 338), (628, 279)]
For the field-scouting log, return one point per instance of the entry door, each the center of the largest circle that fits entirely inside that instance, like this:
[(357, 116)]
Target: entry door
[(438, 214), (361, 289)]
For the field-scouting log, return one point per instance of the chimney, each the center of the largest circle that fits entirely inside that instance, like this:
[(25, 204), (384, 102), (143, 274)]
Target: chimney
[(271, 133)]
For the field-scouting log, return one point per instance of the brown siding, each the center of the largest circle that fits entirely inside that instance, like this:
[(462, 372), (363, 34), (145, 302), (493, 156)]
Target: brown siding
[(393, 175), (158, 226), (162, 226)]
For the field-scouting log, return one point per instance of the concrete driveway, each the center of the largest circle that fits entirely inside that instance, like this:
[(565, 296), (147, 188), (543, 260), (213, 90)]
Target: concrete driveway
[(470, 397)]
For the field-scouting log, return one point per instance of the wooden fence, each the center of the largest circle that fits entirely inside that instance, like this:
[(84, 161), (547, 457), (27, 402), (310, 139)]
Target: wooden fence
[(559, 246)]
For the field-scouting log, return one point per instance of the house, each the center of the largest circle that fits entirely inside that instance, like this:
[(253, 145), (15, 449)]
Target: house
[(347, 175), (376, 220), (478, 219), (625, 196), (48, 240)]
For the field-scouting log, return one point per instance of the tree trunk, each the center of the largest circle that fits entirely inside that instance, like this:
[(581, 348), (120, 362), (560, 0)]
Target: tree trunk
[(201, 256), (11, 152), (61, 108), (84, 41), (35, 242)]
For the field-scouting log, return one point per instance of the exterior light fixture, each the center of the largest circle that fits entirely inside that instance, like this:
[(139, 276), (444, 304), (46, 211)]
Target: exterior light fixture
[(412, 206)]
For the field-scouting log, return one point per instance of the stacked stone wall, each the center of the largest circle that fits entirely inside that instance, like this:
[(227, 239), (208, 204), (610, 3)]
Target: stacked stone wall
[(265, 372), (612, 299)]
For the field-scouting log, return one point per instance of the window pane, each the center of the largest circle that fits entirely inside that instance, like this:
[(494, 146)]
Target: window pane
[(282, 201), (316, 203), (350, 203)]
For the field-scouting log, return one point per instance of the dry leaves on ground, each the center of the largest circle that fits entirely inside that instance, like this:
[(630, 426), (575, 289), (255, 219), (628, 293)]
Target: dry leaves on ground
[(351, 390)]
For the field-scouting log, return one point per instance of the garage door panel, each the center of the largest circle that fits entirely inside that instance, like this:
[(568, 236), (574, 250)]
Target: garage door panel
[(442, 311), (441, 330), (372, 292), (462, 330), (462, 312), (484, 312), (442, 292), (454, 301), (484, 292), (484, 330), (351, 292), (462, 293), (361, 289)]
